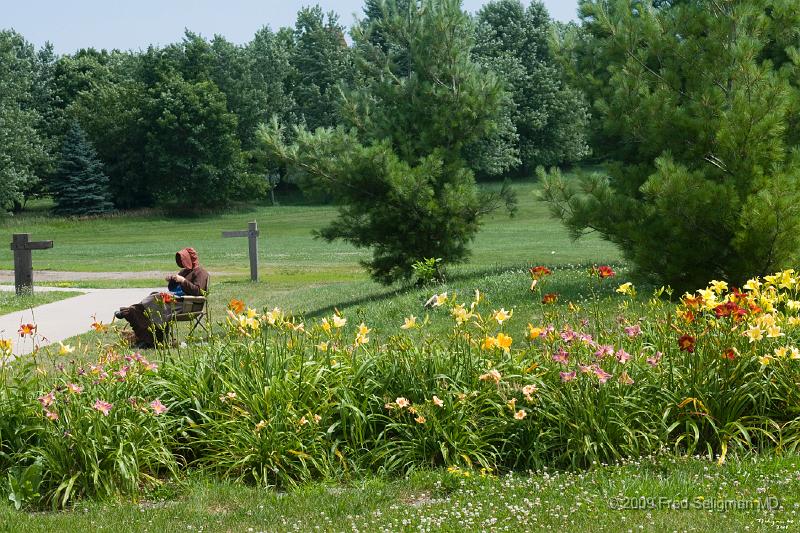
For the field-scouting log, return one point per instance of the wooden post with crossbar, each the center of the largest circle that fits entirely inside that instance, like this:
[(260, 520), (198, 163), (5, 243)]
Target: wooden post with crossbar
[(252, 236), (23, 260)]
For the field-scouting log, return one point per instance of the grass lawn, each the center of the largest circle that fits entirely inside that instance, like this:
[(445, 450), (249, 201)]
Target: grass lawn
[(290, 255), (10, 302), (703, 494)]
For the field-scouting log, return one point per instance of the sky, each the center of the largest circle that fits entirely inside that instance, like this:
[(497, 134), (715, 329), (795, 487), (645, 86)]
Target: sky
[(134, 24)]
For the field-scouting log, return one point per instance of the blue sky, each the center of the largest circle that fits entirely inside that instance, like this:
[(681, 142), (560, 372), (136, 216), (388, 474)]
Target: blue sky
[(133, 24)]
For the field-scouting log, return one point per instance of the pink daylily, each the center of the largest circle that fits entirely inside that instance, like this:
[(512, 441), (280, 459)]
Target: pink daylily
[(622, 356), (567, 376), (158, 407), (103, 407)]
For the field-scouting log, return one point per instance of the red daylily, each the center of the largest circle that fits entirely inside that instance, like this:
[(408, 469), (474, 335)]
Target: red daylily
[(687, 343), (550, 298), (27, 329)]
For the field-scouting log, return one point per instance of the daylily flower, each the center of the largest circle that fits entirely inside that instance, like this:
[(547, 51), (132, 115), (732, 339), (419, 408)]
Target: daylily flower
[(529, 390), (633, 331), (686, 343), (654, 359), (5, 345), (326, 326), (489, 343), (567, 376), (409, 322), (103, 407), (237, 306), (402, 402), (261, 425), (519, 415), (492, 375), (550, 298), (754, 333), (504, 341), (437, 401), (622, 356), (625, 379), (437, 300), (322, 346), (561, 356), (601, 374), (338, 321), (774, 331), (718, 286), (51, 415), (603, 272), (539, 272), (604, 350), (502, 315), (534, 332), (65, 349), (158, 407), (47, 399), (626, 288), (74, 389), (420, 419), (227, 396), (99, 327), (27, 329), (730, 354)]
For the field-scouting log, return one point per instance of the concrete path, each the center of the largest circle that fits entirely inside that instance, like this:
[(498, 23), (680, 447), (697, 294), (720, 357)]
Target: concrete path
[(66, 318), (7, 276)]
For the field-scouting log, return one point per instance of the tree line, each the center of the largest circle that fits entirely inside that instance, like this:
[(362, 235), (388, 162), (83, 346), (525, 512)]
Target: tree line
[(691, 108), (175, 126)]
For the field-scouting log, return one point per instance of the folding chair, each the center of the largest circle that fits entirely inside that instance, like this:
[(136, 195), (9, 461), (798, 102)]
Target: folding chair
[(194, 310)]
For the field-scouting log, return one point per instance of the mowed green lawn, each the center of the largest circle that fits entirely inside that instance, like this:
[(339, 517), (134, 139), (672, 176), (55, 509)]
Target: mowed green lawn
[(290, 256)]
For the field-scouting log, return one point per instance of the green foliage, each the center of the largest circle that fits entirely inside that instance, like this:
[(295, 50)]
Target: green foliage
[(319, 59), (79, 186), (398, 167), (549, 117), (428, 270), (703, 179), (193, 154), (22, 149)]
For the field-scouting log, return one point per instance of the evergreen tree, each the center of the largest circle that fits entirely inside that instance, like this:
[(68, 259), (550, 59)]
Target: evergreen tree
[(398, 165), (695, 105), (550, 118), (79, 186)]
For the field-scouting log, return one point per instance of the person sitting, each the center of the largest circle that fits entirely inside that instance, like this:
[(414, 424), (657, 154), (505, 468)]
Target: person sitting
[(153, 314)]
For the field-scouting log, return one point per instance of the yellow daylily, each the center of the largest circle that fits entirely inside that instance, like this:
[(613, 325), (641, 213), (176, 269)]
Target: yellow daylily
[(65, 349), (755, 333), (502, 315), (504, 341), (409, 322), (626, 288), (718, 286)]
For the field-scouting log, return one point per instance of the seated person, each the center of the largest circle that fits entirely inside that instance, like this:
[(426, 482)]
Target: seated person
[(153, 314)]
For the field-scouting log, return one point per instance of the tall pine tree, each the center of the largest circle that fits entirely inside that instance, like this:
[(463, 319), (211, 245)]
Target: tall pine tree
[(80, 187)]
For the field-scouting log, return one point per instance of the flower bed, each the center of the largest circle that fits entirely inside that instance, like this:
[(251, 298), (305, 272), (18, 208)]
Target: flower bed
[(278, 401)]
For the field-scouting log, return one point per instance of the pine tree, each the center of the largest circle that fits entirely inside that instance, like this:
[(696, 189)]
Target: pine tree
[(398, 167), (79, 187), (695, 106)]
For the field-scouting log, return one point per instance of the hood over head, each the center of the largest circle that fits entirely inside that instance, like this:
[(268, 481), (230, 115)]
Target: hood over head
[(187, 258)]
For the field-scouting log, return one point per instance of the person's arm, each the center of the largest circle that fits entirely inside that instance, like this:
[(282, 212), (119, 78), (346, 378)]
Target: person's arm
[(193, 282)]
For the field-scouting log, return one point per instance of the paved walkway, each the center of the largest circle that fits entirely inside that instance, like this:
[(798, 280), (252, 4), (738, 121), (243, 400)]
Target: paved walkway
[(7, 276), (66, 318)]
